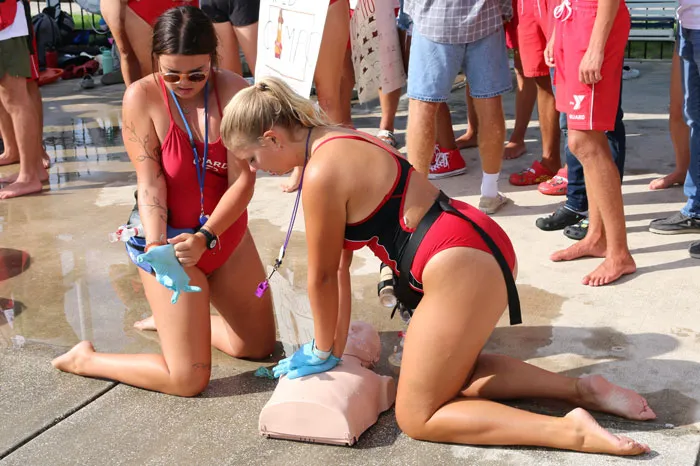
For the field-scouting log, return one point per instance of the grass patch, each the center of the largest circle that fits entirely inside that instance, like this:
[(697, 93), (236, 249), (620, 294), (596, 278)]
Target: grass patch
[(649, 50), (85, 21)]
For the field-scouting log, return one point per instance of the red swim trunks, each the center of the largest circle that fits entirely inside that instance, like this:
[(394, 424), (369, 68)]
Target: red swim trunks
[(450, 231), (150, 10), (588, 106), (534, 30), (511, 28)]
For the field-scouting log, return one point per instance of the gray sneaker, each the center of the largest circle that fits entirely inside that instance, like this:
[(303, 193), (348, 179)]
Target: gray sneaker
[(491, 205), (694, 250), (675, 224)]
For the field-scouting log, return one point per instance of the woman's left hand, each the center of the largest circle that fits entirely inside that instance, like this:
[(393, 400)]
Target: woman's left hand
[(189, 248)]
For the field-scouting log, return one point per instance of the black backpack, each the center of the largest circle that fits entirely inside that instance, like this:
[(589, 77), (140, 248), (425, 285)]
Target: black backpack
[(53, 28)]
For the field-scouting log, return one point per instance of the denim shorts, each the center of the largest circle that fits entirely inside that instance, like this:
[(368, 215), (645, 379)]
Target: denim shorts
[(433, 67)]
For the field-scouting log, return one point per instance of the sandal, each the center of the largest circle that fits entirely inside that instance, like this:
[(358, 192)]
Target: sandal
[(387, 137), (577, 232)]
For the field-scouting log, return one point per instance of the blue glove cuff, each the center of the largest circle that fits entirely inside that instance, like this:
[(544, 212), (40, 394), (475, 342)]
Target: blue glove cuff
[(320, 354)]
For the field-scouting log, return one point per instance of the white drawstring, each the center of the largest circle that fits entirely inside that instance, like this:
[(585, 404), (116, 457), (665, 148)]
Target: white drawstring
[(563, 11)]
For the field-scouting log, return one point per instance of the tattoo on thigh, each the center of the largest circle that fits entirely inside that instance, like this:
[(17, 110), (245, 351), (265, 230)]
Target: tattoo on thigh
[(201, 365)]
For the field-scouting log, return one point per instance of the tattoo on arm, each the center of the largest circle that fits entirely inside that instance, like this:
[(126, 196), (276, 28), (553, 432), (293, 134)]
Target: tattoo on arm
[(155, 205), (154, 154), (201, 365)]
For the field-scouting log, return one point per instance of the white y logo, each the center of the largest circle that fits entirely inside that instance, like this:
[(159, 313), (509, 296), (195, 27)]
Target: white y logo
[(578, 99)]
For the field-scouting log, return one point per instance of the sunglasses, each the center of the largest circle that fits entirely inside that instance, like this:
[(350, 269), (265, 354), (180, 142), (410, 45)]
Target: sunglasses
[(193, 77)]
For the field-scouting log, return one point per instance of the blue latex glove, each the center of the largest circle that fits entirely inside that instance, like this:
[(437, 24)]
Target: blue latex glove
[(169, 272), (304, 362)]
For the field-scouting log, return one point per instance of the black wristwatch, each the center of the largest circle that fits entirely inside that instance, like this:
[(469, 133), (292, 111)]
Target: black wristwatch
[(210, 237)]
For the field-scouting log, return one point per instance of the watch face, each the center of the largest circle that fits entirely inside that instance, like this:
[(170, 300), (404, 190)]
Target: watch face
[(212, 244)]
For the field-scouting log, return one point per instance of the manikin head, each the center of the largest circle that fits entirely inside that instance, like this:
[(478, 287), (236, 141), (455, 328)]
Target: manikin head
[(184, 50), (267, 125)]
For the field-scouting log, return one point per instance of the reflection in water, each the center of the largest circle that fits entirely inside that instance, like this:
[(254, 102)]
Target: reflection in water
[(9, 310), (12, 262), (85, 138)]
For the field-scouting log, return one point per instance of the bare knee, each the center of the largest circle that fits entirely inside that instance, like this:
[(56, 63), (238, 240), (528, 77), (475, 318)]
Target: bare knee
[(261, 349), (420, 110), (584, 146), (411, 422), (190, 383)]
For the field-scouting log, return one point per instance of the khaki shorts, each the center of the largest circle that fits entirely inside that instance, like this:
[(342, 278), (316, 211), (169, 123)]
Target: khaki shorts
[(14, 58)]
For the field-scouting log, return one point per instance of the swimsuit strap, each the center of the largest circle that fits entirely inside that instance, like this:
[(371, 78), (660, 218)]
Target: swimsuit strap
[(401, 176), (165, 97), (216, 94)]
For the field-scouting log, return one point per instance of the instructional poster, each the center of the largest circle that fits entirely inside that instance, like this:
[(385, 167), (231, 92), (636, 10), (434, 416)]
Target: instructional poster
[(376, 52), (289, 38)]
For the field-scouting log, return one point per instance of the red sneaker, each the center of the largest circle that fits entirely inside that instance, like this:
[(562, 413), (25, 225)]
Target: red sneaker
[(446, 163), (557, 185), (536, 174)]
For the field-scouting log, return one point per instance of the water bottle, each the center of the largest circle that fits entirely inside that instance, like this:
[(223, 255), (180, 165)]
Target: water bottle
[(107, 61), (385, 289), (397, 355), (125, 232)]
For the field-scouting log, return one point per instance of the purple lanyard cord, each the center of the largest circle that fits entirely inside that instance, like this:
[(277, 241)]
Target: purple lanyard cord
[(265, 284)]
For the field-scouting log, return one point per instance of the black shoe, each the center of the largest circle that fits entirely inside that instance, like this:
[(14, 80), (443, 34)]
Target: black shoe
[(694, 250), (675, 225), (577, 232), (559, 220)]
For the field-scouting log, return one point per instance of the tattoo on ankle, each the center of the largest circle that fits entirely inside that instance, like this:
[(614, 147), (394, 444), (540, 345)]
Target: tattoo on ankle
[(201, 365)]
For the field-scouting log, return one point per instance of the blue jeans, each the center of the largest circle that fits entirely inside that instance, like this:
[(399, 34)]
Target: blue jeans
[(689, 51), (576, 197), (433, 67)]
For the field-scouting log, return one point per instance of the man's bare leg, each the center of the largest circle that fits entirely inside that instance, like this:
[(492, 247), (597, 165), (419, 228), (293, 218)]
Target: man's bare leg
[(389, 103), (525, 98), (549, 124), (15, 97), (11, 154), (604, 190), (470, 137), (35, 95), (679, 129), (492, 130), (445, 135), (420, 138)]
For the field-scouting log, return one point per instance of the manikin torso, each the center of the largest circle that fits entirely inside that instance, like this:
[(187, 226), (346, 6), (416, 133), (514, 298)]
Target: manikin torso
[(333, 407)]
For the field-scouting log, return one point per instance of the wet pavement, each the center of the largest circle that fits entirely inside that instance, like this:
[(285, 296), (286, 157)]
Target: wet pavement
[(62, 281)]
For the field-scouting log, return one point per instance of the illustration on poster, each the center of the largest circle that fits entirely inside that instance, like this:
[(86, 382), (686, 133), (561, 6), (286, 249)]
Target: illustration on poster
[(291, 34)]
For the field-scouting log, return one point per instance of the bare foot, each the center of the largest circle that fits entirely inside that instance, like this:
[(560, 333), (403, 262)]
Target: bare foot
[(73, 361), (467, 140), (146, 324), (595, 439), (43, 176), (6, 159), (20, 189), (293, 183), (584, 248), (45, 160), (610, 270), (665, 182), (513, 150), (598, 394)]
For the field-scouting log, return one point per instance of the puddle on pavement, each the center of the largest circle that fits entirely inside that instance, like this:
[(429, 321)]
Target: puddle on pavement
[(12, 263), (540, 308), (82, 138)]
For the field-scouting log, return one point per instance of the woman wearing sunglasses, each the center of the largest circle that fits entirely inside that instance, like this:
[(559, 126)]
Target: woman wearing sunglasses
[(462, 268), (193, 194)]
